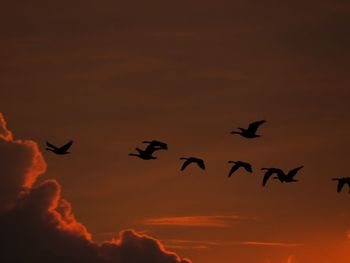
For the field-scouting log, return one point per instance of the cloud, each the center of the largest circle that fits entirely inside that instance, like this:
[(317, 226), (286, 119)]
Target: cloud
[(267, 244), (38, 225), (203, 244), (21, 163), (220, 221)]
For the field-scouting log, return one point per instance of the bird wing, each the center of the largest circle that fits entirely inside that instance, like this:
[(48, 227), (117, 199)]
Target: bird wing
[(293, 172), (201, 164), (247, 167), (341, 183), (149, 149), (157, 144), (185, 164), (233, 169), (269, 173), (266, 177), (253, 127), (66, 146), (51, 145)]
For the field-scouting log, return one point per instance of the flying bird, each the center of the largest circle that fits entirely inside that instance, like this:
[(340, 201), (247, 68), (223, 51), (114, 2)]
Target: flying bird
[(250, 132), (146, 154), (341, 182), (59, 150), (239, 164), (157, 145), (190, 160), (288, 178)]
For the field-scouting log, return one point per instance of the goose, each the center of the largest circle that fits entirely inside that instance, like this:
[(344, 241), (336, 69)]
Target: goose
[(239, 164), (250, 132), (190, 160), (289, 177), (341, 182), (59, 150)]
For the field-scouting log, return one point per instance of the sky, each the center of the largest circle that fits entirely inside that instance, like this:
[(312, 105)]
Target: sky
[(110, 74)]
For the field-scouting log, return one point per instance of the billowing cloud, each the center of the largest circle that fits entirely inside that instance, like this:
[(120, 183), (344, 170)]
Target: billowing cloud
[(38, 225), (197, 221)]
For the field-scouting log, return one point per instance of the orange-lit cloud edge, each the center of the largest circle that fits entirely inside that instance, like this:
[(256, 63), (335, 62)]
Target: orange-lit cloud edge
[(46, 209), (220, 221)]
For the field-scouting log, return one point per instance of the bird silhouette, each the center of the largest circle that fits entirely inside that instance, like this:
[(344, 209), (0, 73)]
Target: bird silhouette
[(59, 150), (190, 160), (269, 172), (157, 145), (250, 132), (146, 154), (342, 182), (239, 164), (288, 178)]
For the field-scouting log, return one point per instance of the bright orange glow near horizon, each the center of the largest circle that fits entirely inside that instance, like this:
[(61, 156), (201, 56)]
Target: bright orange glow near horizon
[(110, 76)]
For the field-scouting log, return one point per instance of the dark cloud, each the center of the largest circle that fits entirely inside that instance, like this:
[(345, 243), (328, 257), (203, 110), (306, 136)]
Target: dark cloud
[(37, 225)]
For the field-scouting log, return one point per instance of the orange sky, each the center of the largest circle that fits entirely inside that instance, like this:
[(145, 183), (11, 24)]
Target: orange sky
[(110, 75)]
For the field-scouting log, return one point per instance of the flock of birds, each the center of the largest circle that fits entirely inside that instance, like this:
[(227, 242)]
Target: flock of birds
[(249, 133)]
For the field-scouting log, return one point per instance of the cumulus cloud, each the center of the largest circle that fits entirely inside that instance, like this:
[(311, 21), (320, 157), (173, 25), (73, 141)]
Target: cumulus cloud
[(38, 225)]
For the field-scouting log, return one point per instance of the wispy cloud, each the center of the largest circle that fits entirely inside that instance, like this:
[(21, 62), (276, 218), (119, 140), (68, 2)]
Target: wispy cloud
[(199, 244), (267, 244), (220, 221)]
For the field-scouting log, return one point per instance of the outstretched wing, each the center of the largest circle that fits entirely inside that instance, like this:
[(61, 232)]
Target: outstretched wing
[(247, 167), (267, 177), (157, 145), (149, 149), (269, 173), (201, 164), (66, 146), (253, 127), (185, 164), (51, 145), (293, 172), (341, 183), (233, 169)]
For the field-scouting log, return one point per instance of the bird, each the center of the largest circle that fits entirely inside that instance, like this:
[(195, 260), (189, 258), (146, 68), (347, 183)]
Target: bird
[(157, 145), (342, 182), (288, 178), (250, 132), (59, 150), (146, 154), (190, 160), (239, 164), (269, 172)]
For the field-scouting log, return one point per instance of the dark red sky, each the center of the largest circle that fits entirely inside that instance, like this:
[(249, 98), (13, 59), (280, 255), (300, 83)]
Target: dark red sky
[(110, 74)]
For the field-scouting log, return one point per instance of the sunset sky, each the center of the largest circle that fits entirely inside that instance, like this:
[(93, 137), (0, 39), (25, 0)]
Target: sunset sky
[(111, 74)]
